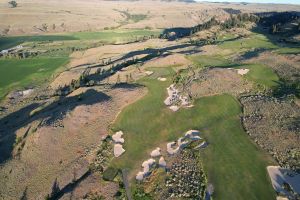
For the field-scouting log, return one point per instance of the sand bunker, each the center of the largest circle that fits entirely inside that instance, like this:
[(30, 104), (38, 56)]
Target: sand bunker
[(162, 162), (172, 148), (242, 71), (174, 108), (155, 153), (148, 73), (118, 150), (146, 169), (161, 79), (117, 137), (118, 140), (279, 176), (202, 145), (175, 100), (183, 142)]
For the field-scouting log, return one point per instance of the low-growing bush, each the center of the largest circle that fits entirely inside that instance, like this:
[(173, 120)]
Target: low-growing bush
[(110, 173)]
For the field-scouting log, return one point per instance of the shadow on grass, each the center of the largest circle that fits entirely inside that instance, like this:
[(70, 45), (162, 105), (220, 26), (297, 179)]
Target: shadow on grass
[(11, 41), (47, 115)]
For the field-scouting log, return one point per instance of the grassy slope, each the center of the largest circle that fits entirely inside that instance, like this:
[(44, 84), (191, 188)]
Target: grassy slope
[(234, 165), (262, 75), (244, 44), (105, 36), (114, 35), (16, 73)]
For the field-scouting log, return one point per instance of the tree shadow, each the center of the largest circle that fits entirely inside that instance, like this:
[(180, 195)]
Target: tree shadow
[(273, 26), (46, 114)]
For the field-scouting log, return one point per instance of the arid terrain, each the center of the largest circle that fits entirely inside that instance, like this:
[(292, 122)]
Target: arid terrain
[(149, 100)]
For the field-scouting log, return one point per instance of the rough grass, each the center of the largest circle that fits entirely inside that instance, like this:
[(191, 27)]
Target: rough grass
[(234, 164), (15, 73)]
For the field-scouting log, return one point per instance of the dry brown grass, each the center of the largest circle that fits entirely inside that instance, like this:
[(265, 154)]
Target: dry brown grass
[(62, 152), (218, 81), (81, 15)]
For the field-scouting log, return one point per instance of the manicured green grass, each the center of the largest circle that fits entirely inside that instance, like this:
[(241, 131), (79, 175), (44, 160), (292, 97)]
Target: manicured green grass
[(235, 166), (215, 61), (258, 73), (109, 36), (262, 75), (289, 50), (115, 35), (244, 44), (8, 42), (15, 73)]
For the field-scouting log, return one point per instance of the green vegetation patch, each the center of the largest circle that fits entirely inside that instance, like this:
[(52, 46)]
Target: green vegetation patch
[(110, 173), (214, 61), (115, 35), (235, 166), (15, 73), (11, 41), (261, 75), (244, 44)]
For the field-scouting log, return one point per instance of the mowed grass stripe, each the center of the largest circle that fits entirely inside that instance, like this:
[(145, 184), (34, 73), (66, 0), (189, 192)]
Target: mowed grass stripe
[(234, 164), (19, 73)]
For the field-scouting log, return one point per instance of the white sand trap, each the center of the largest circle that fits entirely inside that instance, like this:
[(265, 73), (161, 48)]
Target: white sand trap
[(174, 108), (118, 150), (280, 175), (117, 137), (175, 98), (27, 92), (192, 133), (181, 143), (155, 153), (202, 145), (162, 162), (242, 71), (190, 106), (281, 198), (161, 79), (148, 73), (146, 169), (170, 148), (140, 176), (184, 101)]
